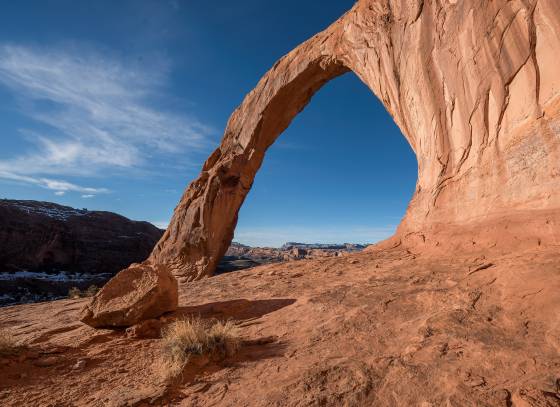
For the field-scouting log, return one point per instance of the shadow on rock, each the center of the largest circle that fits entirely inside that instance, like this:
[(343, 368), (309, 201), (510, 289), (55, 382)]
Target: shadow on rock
[(241, 309)]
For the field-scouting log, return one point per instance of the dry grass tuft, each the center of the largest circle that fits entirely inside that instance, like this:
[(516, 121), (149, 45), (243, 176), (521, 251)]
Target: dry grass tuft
[(8, 344), (187, 337), (91, 291), (75, 293)]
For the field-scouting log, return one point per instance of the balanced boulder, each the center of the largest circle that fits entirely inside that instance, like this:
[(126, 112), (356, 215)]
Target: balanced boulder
[(135, 294)]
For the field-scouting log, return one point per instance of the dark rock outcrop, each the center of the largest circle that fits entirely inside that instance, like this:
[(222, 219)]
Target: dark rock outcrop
[(43, 236)]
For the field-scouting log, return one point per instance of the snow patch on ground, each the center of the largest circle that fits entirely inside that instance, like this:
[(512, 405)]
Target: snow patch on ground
[(58, 212), (61, 276)]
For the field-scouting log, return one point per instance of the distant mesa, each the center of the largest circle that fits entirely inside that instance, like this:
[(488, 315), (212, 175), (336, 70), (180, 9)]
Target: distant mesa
[(44, 236), (240, 256), (323, 246), (47, 248)]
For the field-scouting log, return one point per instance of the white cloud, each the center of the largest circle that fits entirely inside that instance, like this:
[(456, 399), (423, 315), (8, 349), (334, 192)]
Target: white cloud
[(53, 184), (88, 196), (95, 112), (59, 193)]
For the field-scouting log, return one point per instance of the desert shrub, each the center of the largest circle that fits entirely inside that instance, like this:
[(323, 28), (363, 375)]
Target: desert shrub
[(8, 344), (186, 337), (74, 293), (91, 291)]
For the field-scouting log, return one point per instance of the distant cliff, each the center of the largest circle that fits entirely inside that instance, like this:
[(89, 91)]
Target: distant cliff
[(240, 256), (346, 247), (43, 236)]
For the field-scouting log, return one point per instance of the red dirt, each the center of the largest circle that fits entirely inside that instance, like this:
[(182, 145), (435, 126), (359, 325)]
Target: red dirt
[(380, 328)]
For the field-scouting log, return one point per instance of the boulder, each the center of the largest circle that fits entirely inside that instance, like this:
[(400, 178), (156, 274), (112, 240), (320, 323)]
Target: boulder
[(137, 293)]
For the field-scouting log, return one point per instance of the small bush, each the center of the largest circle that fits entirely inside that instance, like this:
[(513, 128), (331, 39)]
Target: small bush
[(187, 337), (91, 291), (74, 293), (8, 344)]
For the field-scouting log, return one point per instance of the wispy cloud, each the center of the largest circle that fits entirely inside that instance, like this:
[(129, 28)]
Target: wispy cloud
[(95, 112), (59, 186)]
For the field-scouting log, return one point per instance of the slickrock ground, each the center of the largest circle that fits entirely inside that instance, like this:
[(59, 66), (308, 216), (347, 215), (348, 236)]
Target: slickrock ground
[(384, 328)]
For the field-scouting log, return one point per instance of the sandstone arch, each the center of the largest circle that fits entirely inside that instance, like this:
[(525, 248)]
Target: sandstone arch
[(473, 86)]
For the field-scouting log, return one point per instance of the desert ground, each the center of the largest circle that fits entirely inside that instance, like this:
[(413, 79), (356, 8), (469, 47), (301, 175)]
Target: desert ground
[(384, 327)]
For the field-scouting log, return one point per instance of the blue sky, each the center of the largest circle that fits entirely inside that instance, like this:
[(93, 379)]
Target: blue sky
[(115, 105)]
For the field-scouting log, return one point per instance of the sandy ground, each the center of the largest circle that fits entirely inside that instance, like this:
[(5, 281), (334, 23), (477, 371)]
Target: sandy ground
[(386, 328)]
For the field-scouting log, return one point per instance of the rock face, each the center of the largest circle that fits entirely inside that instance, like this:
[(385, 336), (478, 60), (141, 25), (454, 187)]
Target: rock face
[(43, 236), (134, 295), (474, 87)]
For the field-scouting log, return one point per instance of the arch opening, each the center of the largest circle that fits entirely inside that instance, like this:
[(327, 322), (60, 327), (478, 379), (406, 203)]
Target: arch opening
[(342, 172), (202, 227)]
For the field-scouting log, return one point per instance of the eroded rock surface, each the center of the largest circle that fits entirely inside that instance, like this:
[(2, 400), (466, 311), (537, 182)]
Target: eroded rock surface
[(473, 85)]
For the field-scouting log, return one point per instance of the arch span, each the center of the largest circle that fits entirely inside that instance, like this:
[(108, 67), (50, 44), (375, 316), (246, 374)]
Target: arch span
[(472, 85), (206, 217), (341, 172)]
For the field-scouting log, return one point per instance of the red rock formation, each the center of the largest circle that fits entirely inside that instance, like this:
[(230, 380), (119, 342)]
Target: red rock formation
[(473, 86)]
